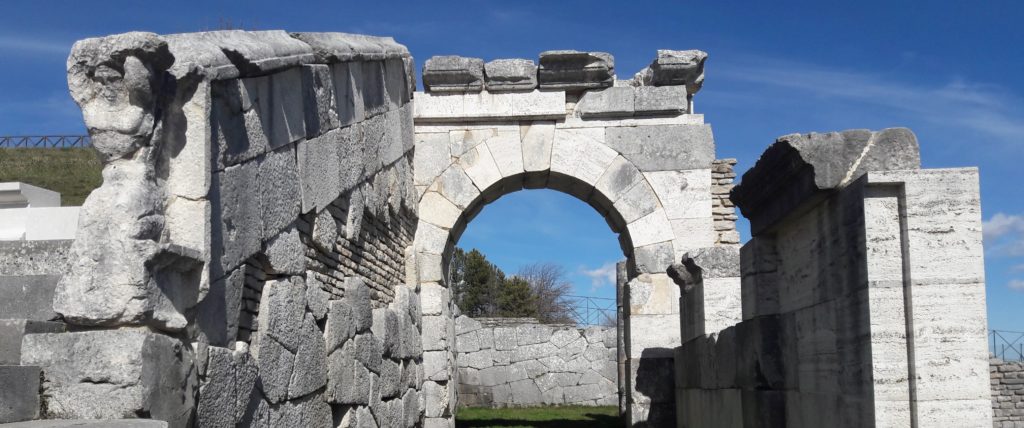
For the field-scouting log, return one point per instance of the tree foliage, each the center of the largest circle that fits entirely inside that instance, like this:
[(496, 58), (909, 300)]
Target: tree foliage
[(483, 290)]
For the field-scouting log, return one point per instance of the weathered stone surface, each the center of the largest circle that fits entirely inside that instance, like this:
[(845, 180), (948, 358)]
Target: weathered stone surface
[(657, 100), (574, 70), (84, 423), (27, 296), (610, 102), (19, 397), (453, 74), (87, 375), (657, 148), (13, 330), (510, 75), (798, 168), (679, 68)]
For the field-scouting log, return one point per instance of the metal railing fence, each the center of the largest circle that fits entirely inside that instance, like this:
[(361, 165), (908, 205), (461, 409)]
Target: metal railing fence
[(1007, 345), (44, 141), (592, 311)]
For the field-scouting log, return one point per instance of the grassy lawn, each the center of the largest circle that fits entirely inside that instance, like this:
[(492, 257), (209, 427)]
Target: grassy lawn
[(74, 172), (560, 417)]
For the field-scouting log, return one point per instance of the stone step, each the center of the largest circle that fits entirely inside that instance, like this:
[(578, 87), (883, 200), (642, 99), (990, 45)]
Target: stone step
[(19, 393), (27, 297), (13, 330), (88, 423)]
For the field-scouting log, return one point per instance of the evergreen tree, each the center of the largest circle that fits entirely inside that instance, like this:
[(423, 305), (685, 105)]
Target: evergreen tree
[(516, 298), (476, 282)]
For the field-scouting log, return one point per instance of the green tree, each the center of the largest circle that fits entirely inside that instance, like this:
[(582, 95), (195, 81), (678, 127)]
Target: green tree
[(516, 298), (476, 282)]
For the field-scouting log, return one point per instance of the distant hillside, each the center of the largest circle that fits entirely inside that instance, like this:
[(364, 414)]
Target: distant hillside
[(74, 172)]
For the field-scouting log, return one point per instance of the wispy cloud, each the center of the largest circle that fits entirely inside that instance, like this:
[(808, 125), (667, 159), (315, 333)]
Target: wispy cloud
[(35, 46), (1016, 284), (981, 108), (1004, 235), (600, 276)]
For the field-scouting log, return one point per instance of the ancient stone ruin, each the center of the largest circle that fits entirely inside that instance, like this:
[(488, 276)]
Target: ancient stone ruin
[(271, 241)]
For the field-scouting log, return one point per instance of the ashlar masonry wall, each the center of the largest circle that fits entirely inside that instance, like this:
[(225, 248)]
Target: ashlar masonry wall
[(1007, 379), (515, 362), (254, 217)]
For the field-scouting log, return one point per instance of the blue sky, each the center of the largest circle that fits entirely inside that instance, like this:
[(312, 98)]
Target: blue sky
[(951, 71)]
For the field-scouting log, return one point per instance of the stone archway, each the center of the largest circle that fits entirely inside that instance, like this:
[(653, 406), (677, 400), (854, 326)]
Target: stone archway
[(649, 176)]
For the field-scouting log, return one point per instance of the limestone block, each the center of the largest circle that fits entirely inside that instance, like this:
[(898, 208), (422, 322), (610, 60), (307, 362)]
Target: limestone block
[(237, 227), (653, 294), (309, 370), (656, 333), (357, 295), (573, 349), (396, 81), (480, 166), (340, 325), (608, 102), (533, 352), (456, 186), (480, 359), (438, 210), (692, 233), (797, 168), (529, 334), (237, 131), (188, 223), (664, 147), (432, 156), (486, 338), (620, 176), (435, 365), (319, 171), (368, 351), (579, 153), (573, 70), (374, 93), (653, 258), (281, 110), (19, 398), (348, 92), (639, 201), (525, 393), (679, 68), (505, 338), (286, 253), (487, 106), (658, 100), (348, 382), (277, 187), (510, 75), (537, 139), (507, 147), (436, 399), (464, 324), (650, 229), (562, 337), (434, 298), (453, 74), (684, 194), (318, 96), (329, 48), (190, 142), (435, 335), (157, 377)]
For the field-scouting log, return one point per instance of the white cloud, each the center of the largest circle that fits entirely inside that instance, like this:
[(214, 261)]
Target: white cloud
[(601, 276), (1016, 284), (980, 108), (39, 46), (1004, 235), (1002, 224)]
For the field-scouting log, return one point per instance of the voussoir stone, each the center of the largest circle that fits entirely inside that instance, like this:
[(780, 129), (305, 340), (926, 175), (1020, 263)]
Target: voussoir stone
[(510, 75), (571, 70), (452, 73)]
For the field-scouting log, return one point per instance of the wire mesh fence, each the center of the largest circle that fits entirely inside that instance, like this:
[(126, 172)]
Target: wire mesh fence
[(44, 141), (592, 311), (1007, 345)]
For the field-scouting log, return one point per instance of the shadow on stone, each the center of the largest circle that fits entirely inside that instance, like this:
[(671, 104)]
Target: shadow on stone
[(654, 379)]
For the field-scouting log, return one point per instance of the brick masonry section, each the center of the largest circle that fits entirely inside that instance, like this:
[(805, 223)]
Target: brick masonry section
[(1007, 393), (722, 208)]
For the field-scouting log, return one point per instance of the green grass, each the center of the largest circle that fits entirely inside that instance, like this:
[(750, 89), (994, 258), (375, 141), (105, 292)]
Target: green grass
[(560, 417), (74, 172)]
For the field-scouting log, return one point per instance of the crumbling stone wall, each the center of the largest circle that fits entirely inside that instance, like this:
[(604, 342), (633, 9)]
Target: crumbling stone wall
[(724, 211), (1007, 393), (863, 294), (255, 213), (513, 362)]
